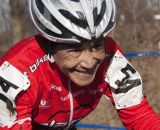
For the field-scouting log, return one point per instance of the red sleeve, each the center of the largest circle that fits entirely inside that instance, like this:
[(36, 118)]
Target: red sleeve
[(140, 117)]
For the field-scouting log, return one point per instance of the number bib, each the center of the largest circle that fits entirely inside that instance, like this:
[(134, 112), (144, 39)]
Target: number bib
[(125, 82), (12, 82)]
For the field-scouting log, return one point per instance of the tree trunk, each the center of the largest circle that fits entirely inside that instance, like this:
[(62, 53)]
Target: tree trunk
[(17, 12)]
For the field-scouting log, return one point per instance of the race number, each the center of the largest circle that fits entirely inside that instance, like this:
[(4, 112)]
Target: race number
[(5, 87), (125, 82), (12, 82)]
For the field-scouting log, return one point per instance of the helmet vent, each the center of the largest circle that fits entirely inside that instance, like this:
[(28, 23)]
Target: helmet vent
[(40, 6), (79, 22), (75, 0), (98, 17)]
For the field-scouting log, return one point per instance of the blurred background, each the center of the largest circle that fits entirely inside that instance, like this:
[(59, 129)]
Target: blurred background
[(137, 30)]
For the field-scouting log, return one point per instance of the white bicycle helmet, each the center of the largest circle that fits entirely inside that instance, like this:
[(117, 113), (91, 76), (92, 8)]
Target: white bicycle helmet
[(73, 21)]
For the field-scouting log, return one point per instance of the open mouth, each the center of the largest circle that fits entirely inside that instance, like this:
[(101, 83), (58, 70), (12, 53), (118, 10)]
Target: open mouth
[(82, 77)]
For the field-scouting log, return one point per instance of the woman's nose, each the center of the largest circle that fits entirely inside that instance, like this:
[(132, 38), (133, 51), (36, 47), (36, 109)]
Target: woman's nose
[(87, 60)]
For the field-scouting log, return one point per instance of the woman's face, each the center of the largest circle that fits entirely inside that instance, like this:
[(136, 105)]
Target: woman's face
[(80, 61)]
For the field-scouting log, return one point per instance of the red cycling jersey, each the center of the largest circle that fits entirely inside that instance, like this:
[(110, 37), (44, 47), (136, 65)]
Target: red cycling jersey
[(35, 94)]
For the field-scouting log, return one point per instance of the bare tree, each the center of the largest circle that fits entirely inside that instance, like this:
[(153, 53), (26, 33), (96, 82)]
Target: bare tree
[(16, 17), (21, 23), (4, 16), (4, 26), (136, 25)]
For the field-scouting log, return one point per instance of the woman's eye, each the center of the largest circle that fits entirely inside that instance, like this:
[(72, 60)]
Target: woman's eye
[(75, 50), (98, 47)]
